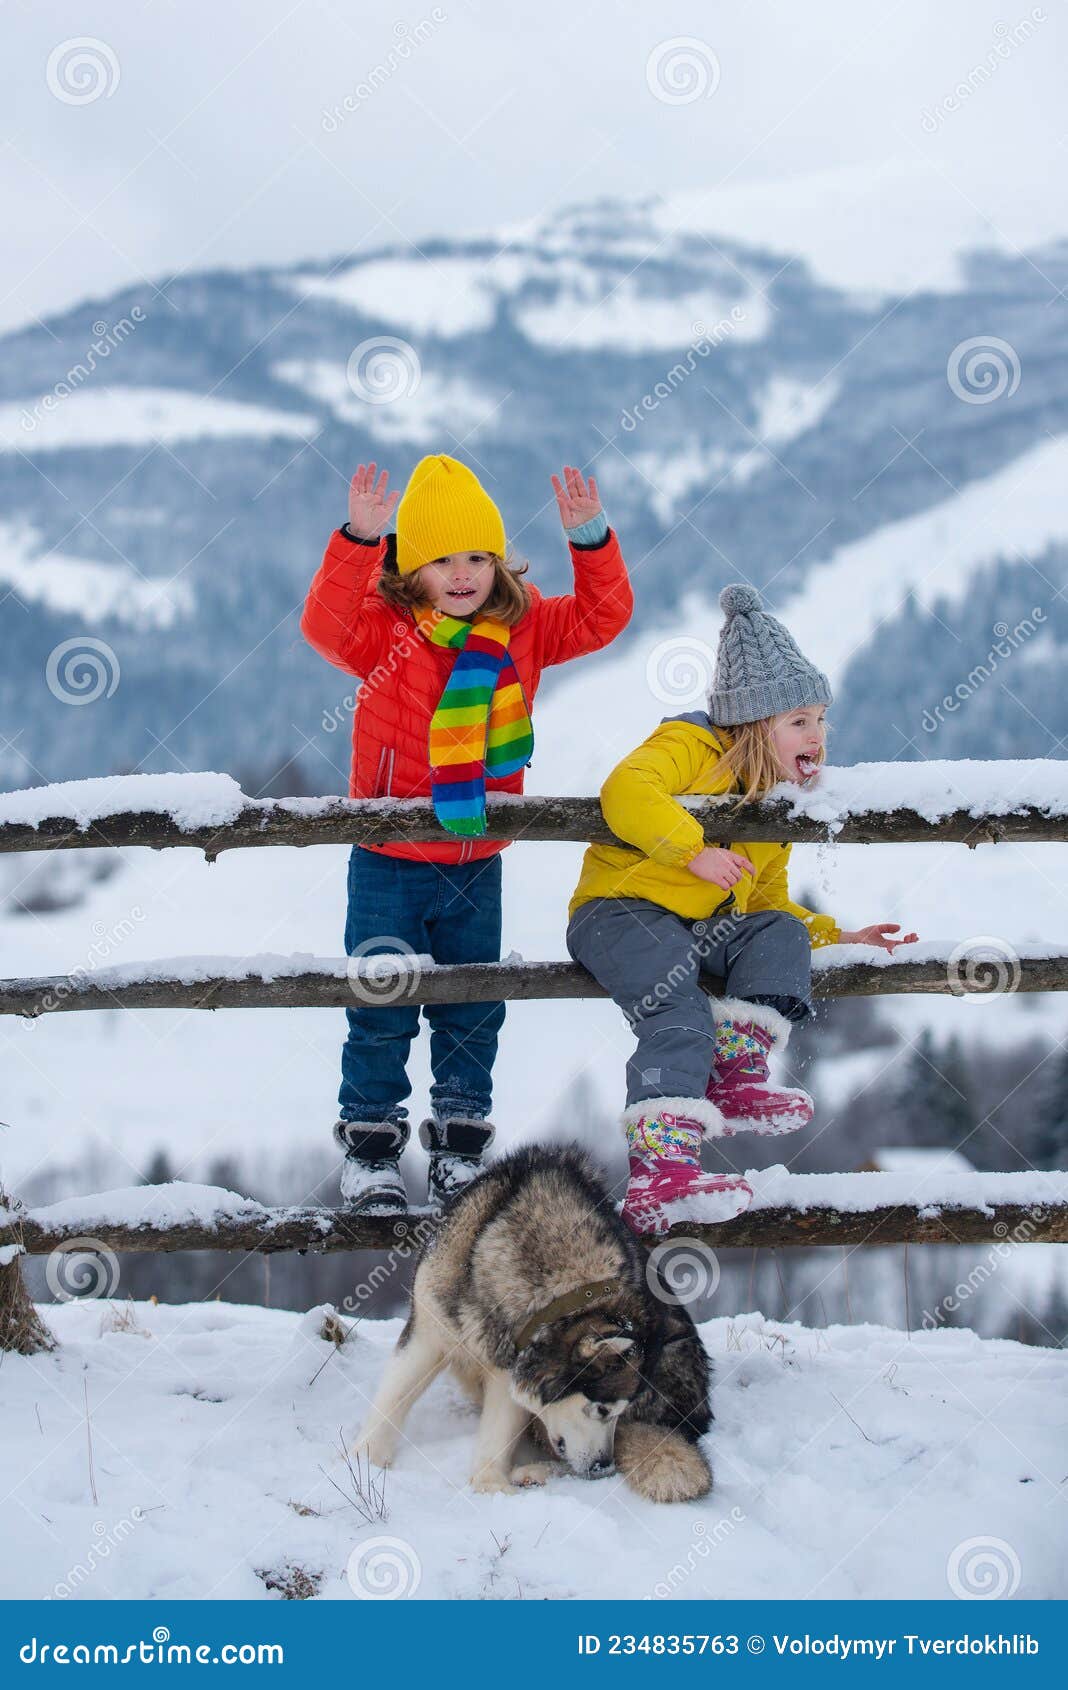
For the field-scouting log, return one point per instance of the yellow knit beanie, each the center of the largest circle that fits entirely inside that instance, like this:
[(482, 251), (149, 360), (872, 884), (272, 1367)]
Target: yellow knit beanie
[(445, 509)]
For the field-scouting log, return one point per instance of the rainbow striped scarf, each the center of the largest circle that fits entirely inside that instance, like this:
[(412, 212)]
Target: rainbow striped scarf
[(481, 725)]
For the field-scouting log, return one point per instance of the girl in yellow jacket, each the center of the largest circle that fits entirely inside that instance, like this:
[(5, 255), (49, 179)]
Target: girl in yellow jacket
[(650, 915)]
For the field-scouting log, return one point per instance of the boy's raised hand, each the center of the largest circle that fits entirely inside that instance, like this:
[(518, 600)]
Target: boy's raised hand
[(370, 507), (878, 934), (578, 500)]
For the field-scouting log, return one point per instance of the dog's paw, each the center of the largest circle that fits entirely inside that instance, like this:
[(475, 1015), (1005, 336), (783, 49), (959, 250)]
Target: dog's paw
[(492, 1482), (661, 1466), (376, 1450), (530, 1473)]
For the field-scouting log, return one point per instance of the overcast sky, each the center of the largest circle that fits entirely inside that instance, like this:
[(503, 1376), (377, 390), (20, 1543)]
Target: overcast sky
[(197, 134)]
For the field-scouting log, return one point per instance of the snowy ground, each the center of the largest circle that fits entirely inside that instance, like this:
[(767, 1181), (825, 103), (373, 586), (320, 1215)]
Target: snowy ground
[(852, 1462)]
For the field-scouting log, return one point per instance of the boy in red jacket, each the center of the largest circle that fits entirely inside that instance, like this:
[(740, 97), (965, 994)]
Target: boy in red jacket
[(450, 643)]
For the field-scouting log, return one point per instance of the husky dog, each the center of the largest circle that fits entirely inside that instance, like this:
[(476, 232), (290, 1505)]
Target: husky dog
[(547, 1309)]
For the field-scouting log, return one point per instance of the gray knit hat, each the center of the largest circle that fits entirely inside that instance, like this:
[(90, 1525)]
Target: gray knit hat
[(759, 670)]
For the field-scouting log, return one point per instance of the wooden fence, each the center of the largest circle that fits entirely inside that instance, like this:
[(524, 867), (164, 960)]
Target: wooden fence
[(300, 822), (378, 821)]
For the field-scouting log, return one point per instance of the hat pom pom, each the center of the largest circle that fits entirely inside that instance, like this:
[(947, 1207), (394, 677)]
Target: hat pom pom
[(738, 599)]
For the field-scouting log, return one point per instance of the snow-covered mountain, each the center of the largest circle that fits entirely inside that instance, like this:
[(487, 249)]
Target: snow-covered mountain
[(172, 461)]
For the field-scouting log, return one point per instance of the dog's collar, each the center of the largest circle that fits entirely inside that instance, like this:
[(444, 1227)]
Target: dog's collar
[(571, 1302)]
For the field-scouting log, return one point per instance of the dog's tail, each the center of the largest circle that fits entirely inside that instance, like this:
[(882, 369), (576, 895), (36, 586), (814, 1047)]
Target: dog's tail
[(660, 1465)]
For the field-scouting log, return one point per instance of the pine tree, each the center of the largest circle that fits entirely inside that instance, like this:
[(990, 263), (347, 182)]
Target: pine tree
[(932, 1099), (159, 1170), (225, 1171), (1049, 1145), (1055, 1317)]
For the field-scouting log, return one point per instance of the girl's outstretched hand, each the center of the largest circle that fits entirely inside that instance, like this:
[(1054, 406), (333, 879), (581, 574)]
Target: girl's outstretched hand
[(878, 934), (720, 867), (579, 500), (370, 507)]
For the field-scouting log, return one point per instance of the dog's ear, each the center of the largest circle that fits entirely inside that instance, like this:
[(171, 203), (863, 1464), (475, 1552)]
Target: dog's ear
[(614, 1342)]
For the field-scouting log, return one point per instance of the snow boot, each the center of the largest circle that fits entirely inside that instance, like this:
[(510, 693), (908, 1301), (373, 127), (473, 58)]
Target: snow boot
[(666, 1182), (746, 1034), (455, 1144), (371, 1182)]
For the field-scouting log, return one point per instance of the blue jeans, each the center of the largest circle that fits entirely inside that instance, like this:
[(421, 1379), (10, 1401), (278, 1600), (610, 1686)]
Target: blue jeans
[(451, 911)]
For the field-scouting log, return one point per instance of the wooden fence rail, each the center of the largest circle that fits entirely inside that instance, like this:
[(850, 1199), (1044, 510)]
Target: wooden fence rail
[(376, 821), (269, 1231), (491, 982)]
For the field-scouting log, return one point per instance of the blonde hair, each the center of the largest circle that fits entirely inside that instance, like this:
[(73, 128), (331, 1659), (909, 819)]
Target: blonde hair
[(508, 598), (750, 757)]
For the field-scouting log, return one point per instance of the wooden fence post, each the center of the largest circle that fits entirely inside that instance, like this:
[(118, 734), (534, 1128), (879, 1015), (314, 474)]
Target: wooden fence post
[(21, 1327)]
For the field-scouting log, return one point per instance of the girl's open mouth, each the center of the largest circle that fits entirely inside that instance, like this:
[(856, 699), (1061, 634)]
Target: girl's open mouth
[(806, 766), (461, 592)]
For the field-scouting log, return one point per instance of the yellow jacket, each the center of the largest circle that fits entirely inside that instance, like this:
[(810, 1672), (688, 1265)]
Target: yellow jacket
[(683, 755)]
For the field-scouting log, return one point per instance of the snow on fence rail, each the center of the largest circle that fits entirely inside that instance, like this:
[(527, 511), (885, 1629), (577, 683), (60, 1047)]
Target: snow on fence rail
[(974, 968), (845, 1209), (872, 803)]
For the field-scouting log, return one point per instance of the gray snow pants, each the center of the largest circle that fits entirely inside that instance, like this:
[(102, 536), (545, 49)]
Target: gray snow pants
[(649, 959)]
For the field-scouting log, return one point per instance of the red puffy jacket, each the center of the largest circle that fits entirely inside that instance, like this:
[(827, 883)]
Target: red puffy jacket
[(350, 624)]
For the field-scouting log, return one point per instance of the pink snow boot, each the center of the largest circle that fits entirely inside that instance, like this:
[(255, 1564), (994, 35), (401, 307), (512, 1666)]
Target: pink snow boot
[(666, 1182), (746, 1034)]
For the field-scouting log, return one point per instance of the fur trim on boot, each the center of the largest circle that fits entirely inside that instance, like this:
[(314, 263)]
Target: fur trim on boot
[(456, 1146), (739, 1084), (666, 1183), (371, 1180)]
